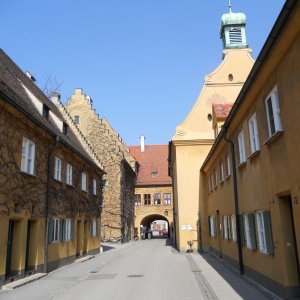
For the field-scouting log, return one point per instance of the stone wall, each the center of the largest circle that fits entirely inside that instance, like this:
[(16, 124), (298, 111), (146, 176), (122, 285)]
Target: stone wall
[(117, 211)]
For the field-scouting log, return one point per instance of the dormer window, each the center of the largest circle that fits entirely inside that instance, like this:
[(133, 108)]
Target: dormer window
[(76, 120), (65, 128), (45, 111), (154, 174)]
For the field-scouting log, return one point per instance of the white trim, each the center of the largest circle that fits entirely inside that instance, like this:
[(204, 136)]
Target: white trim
[(94, 187), (28, 156), (233, 227), (241, 144), (261, 232), (247, 231), (253, 134), (83, 181), (69, 175), (57, 168)]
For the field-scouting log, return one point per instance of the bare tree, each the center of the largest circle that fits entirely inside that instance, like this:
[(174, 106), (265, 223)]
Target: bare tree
[(50, 84)]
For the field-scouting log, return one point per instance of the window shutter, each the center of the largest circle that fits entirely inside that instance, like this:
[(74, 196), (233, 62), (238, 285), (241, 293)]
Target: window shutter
[(215, 226), (72, 229), (91, 224), (242, 232), (229, 228), (268, 232), (62, 230), (50, 230), (209, 227), (251, 220), (97, 227)]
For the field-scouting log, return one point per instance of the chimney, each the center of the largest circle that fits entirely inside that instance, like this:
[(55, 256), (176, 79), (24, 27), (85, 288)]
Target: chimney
[(55, 97), (142, 143), (30, 76)]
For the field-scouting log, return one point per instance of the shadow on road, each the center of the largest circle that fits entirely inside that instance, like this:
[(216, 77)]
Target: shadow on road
[(107, 248), (231, 275)]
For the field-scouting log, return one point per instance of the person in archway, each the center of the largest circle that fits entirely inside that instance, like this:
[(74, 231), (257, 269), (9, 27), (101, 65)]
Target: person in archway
[(149, 234)]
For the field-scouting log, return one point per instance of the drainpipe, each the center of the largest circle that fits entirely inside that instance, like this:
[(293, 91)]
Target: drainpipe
[(236, 202), (48, 197)]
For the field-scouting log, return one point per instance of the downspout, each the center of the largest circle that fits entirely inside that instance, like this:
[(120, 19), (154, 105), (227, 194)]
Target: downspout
[(236, 201), (48, 197)]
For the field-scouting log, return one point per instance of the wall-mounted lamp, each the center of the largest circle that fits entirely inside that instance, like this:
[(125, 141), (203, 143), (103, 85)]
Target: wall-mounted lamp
[(103, 183)]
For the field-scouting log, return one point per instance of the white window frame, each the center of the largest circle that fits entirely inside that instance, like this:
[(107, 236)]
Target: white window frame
[(247, 231), (212, 226), (137, 199), (228, 165), (28, 156), (94, 228), (225, 227), (56, 230), (94, 187), (261, 232), (222, 177), (68, 229), (83, 181), (57, 168), (253, 134), (233, 227), (167, 200), (157, 198), (275, 114), (241, 144), (69, 175)]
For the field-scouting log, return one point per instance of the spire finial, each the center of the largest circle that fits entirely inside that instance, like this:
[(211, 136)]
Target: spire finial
[(229, 5)]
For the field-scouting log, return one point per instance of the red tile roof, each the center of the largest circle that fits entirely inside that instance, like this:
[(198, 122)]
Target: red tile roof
[(222, 110), (153, 159)]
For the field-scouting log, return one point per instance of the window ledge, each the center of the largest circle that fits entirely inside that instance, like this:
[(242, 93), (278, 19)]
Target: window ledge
[(28, 174), (241, 165), (273, 137), (222, 181), (254, 154), (228, 176), (70, 186), (58, 181)]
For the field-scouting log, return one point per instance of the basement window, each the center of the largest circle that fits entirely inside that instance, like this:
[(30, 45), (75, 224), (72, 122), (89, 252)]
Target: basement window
[(154, 174)]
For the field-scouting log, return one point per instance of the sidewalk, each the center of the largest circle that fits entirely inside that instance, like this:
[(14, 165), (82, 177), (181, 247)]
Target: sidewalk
[(218, 280)]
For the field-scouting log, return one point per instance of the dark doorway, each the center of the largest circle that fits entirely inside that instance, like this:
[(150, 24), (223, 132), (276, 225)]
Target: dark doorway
[(27, 245), (9, 247)]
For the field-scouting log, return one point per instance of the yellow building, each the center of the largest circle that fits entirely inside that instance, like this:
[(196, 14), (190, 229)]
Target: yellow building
[(50, 192), (194, 136), (153, 197), (252, 180)]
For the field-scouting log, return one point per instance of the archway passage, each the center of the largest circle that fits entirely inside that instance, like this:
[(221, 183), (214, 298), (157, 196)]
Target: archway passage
[(158, 224)]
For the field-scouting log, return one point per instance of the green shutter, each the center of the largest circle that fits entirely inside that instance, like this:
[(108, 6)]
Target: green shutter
[(72, 229), (91, 224), (215, 226), (242, 232), (97, 229), (50, 230), (62, 230), (229, 228), (209, 227), (268, 232), (251, 219)]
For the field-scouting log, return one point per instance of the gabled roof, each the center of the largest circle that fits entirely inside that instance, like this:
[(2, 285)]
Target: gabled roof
[(153, 160), (221, 111), (16, 88)]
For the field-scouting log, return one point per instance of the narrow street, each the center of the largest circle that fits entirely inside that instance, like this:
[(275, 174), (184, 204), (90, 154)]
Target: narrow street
[(140, 270)]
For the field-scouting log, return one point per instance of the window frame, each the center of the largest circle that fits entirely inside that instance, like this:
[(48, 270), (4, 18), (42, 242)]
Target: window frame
[(273, 118), (167, 200), (247, 231), (94, 187), (241, 147), (28, 157), (157, 198), (262, 242), (222, 173), (228, 164), (225, 228), (233, 227), (57, 168), (83, 181), (137, 199), (69, 174), (94, 231), (147, 199), (253, 134)]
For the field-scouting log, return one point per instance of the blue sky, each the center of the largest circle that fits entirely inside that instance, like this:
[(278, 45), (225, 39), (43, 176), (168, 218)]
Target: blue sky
[(142, 62)]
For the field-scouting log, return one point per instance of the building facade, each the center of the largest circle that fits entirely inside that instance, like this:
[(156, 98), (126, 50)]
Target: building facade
[(252, 183), (194, 137), (153, 197), (50, 193), (118, 207)]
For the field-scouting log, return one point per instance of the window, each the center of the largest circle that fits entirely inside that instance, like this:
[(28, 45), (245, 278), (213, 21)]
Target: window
[(157, 199), (228, 170), (147, 199), (154, 174), (65, 128), (94, 187), (76, 120), (53, 230), (69, 175), (264, 229), (45, 111), (57, 169), (212, 227), (225, 227), (273, 112), (261, 232), (250, 231), (233, 227), (167, 199), (137, 199), (241, 143), (28, 156), (221, 172), (253, 133), (83, 182), (209, 183), (235, 35), (66, 229), (94, 228), (214, 178)]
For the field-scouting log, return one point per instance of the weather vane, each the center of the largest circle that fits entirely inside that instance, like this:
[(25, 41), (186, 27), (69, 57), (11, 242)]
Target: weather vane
[(229, 5)]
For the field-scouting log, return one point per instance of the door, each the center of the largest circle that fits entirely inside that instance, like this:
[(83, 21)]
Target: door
[(27, 245), (219, 232), (79, 243), (86, 232), (9, 247)]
